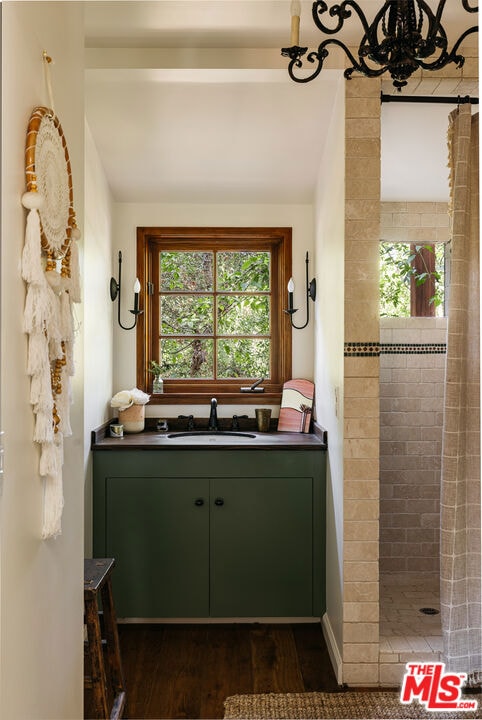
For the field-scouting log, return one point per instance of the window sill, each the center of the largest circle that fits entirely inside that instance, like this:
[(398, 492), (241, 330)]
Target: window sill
[(229, 398)]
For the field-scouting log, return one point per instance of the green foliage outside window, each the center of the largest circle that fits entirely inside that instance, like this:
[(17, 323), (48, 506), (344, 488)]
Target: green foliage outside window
[(396, 274), (214, 314)]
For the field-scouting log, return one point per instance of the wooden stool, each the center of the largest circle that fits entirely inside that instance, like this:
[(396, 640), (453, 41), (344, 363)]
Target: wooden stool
[(106, 678)]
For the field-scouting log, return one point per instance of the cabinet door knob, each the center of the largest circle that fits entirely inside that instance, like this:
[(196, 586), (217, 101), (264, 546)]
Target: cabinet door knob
[(219, 501), (199, 502)]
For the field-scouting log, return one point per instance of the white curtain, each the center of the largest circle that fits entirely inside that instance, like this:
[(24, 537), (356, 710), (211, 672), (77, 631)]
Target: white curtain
[(460, 548)]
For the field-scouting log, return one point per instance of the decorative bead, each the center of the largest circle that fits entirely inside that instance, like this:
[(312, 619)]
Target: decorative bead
[(32, 200)]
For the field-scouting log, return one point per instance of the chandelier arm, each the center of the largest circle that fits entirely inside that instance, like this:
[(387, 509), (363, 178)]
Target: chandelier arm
[(466, 6), (320, 7), (460, 60), (440, 9), (362, 67), (449, 57), (296, 62)]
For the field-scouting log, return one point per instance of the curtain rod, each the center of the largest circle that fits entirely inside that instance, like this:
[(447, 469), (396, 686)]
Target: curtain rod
[(455, 100)]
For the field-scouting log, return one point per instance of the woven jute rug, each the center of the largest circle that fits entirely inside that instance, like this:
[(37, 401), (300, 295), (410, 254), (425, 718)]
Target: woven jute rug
[(332, 706)]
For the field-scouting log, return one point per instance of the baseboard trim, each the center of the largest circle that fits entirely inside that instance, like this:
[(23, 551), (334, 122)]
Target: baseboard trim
[(333, 650), (218, 620)]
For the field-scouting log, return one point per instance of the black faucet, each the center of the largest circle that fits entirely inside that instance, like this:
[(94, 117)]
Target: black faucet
[(213, 417)]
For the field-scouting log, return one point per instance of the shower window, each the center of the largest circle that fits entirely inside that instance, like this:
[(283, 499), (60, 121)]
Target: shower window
[(412, 279)]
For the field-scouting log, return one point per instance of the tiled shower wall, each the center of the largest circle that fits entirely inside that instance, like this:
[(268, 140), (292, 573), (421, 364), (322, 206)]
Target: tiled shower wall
[(412, 362), (360, 647)]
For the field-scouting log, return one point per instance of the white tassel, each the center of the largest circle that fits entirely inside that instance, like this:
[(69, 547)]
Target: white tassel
[(53, 329), (38, 352), (53, 506), (63, 406), (51, 457), (32, 270), (41, 390), (54, 279), (38, 308), (75, 289), (44, 428), (69, 357), (66, 322)]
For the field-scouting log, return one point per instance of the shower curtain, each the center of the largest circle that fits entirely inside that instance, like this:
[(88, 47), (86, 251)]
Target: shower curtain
[(460, 540)]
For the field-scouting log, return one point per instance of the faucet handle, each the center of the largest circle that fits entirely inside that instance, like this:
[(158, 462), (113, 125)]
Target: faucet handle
[(235, 425), (190, 420)]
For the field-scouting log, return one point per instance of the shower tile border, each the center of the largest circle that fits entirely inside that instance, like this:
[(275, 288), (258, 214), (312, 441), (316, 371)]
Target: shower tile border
[(375, 349)]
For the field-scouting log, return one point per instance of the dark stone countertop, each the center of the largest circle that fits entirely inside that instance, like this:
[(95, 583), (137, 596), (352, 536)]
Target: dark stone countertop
[(179, 439)]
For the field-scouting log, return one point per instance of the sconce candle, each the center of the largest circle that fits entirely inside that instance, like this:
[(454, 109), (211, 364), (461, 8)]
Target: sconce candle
[(137, 289), (291, 289)]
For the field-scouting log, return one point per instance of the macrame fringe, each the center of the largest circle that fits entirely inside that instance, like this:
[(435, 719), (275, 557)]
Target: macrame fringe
[(41, 390), (53, 506), (38, 352), (51, 457), (38, 308), (63, 403), (32, 270), (69, 357), (66, 322), (54, 279), (54, 331), (44, 428)]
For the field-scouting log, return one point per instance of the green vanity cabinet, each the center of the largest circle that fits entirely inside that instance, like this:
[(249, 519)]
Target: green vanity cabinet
[(261, 547), (157, 529), (225, 533)]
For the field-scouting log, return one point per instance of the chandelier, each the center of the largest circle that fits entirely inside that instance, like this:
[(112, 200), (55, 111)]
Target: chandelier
[(404, 36)]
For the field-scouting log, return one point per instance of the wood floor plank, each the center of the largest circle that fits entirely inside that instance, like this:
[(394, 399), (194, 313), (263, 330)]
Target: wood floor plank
[(227, 669), (187, 671), (275, 662), (179, 680), (314, 659)]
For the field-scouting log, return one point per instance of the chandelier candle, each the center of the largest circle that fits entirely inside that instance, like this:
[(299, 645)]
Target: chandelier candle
[(295, 22)]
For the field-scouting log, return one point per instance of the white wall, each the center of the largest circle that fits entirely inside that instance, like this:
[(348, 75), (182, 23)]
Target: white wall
[(329, 343), (129, 216), (41, 601), (98, 313)]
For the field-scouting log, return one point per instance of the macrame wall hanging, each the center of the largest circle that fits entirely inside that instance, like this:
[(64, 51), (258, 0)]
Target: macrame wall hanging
[(50, 267)]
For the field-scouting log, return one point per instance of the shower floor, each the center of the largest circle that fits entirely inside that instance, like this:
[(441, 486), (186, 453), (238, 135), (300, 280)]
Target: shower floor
[(406, 634)]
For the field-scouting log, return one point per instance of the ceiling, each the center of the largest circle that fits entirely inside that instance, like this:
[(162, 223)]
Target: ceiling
[(189, 101)]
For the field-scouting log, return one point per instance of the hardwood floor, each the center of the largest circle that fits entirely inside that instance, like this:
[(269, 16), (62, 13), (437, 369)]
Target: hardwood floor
[(187, 671)]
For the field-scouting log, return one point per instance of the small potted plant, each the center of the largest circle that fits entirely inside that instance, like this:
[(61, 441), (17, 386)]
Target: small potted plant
[(157, 383)]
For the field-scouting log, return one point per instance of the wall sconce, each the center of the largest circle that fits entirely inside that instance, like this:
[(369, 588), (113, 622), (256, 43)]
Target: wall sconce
[(115, 292), (310, 293)]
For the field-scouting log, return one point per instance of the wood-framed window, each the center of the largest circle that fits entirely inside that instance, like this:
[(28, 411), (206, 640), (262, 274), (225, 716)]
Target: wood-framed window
[(213, 301)]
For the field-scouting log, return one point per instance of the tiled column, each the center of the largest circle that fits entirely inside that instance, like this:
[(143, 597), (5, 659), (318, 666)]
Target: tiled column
[(361, 393)]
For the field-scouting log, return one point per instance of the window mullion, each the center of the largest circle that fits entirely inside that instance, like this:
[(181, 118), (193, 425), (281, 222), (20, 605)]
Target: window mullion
[(215, 311)]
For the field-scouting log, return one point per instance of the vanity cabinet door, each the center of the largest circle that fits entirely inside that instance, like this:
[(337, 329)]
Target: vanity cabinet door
[(262, 547), (158, 531)]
